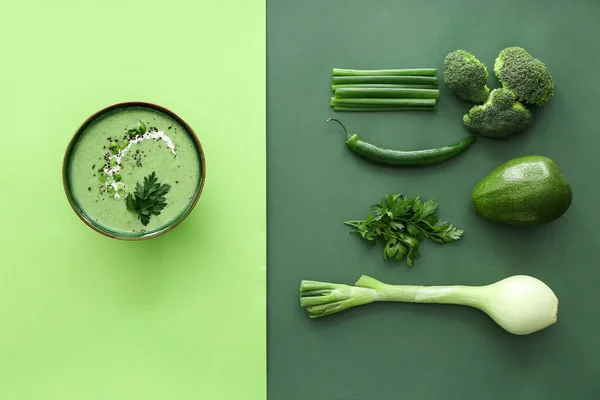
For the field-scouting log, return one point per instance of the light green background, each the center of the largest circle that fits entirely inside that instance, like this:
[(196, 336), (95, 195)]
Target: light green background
[(181, 316)]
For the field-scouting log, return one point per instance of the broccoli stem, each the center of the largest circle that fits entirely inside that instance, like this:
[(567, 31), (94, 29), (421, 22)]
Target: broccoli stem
[(343, 80), (382, 102), (387, 93), (385, 72), (385, 85), (380, 109)]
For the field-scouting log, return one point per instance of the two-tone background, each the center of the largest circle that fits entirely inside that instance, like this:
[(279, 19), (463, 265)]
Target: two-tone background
[(211, 310)]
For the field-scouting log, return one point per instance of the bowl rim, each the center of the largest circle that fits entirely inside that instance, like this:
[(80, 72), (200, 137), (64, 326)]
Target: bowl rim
[(79, 131)]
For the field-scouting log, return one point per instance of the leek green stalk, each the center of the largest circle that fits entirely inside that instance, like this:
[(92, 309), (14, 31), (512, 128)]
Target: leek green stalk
[(519, 304)]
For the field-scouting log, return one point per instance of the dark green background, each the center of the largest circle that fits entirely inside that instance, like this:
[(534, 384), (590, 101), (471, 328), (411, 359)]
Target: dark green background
[(405, 351)]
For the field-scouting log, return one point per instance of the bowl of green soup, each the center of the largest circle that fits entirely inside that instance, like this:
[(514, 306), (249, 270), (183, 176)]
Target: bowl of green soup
[(133, 171)]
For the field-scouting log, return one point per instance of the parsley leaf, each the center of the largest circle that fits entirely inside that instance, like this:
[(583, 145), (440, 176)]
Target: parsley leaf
[(148, 198), (401, 223)]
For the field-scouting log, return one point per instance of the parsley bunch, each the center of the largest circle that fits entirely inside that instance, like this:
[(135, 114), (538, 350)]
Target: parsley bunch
[(148, 199), (400, 224)]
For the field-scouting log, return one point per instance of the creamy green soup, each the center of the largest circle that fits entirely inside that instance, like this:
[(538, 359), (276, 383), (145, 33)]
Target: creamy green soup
[(118, 151)]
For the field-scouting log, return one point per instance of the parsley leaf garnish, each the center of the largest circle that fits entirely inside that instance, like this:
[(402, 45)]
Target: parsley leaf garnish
[(148, 199), (401, 223)]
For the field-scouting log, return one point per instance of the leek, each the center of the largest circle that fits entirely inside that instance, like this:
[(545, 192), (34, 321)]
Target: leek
[(519, 304)]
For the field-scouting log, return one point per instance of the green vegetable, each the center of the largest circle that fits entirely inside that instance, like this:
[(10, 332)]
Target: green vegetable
[(401, 223), (123, 144), (367, 108), (385, 85), (385, 106), (148, 199), (387, 93), (118, 177), (113, 163), (345, 80), (525, 191), (385, 72), (499, 117), (384, 89), (525, 75), (519, 304), (378, 101), (380, 106), (403, 158), (466, 76), (138, 129)]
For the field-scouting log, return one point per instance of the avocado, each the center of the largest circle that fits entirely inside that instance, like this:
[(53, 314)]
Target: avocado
[(525, 191)]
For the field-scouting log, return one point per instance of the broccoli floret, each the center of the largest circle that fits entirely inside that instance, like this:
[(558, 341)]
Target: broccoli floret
[(466, 76), (525, 75), (501, 116)]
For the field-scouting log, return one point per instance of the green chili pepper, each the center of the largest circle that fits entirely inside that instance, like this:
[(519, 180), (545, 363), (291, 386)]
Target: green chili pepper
[(404, 158)]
